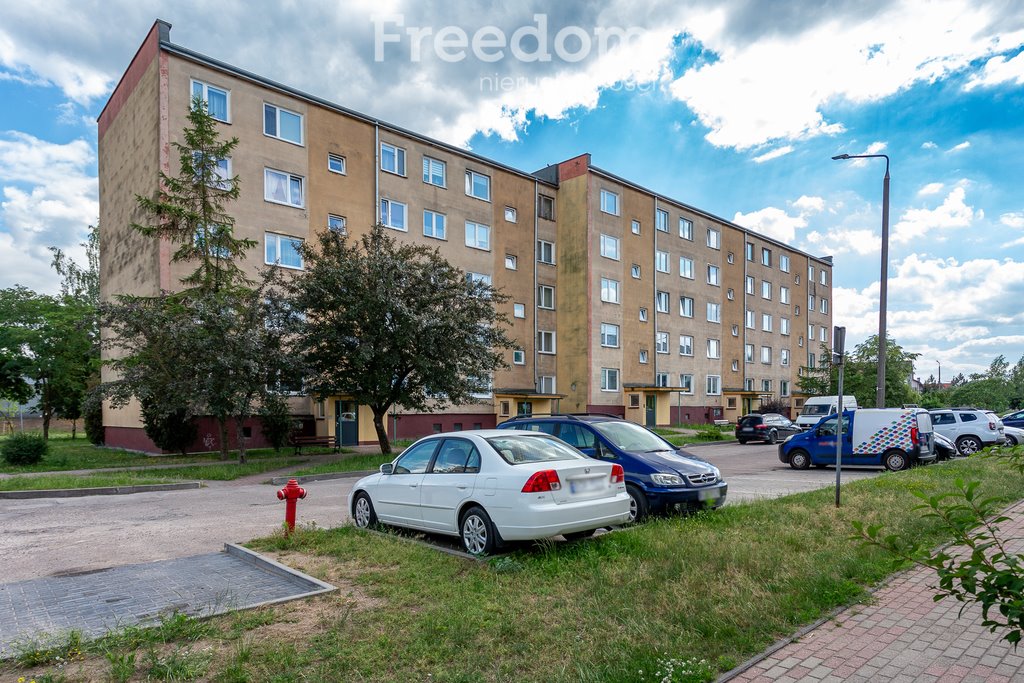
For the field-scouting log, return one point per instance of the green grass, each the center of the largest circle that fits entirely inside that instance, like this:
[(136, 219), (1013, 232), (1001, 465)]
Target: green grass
[(78, 454), (219, 472), (718, 586), (352, 463)]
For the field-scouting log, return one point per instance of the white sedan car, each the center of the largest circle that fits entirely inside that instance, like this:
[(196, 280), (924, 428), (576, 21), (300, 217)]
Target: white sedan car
[(489, 486)]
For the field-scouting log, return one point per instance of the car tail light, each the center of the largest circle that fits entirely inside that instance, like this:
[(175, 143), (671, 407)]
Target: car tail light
[(914, 436), (992, 426), (618, 475), (760, 426), (545, 480)]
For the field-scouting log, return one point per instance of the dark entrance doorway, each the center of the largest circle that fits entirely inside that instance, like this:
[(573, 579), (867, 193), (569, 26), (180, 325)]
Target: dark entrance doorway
[(346, 423), (650, 414)]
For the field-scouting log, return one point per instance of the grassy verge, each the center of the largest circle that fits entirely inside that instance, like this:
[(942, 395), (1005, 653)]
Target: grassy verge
[(78, 454), (219, 472), (352, 463), (718, 586)]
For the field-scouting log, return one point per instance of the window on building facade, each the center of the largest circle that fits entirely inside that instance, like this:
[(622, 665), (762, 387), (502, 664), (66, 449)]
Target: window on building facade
[(511, 216), (661, 220), (478, 185), (714, 238), (392, 214), (784, 357), (643, 356), (435, 225), (545, 252), (766, 322), (511, 262), (766, 290), (784, 295), (748, 353), (336, 164), (661, 261), (824, 334), (686, 228), (546, 384), (609, 202), (685, 345), (783, 263), (483, 278), (518, 310), (610, 335), (609, 379), (766, 386), (824, 305), (546, 297), (282, 250), (748, 384), (735, 330), (713, 275), (749, 253), (546, 207), (661, 301), (661, 379), (749, 320), (392, 159), (635, 227), (609, 290), (283, 188), (714, 348), (713, 385), (686, 307), (545, 341), (784, 326), (686, 383), (686, 267), (610, 247), (823, 277), (519, 357), (784, 387), (217, 100), (282, 124), (643, 315), (749, 284), (478, 236), (635, 271), (661, 342), (766, 355), (714, 312), (435, 172), (766, 257), (336, 224)]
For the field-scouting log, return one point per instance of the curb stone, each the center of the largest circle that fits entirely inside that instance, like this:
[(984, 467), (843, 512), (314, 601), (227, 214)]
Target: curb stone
[(100, 491)]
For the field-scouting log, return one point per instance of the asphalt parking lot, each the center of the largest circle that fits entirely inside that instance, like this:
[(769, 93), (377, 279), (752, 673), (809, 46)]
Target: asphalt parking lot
[(58, 536)]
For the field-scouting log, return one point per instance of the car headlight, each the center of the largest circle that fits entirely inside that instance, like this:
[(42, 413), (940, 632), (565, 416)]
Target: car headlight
[(718, 473), (667, 479)]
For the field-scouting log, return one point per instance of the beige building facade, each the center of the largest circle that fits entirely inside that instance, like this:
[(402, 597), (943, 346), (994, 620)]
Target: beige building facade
[(622, 300)]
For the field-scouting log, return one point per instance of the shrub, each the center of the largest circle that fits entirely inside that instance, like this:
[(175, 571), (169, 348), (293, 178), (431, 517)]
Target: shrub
[(710, 432), (277, 422), (173, 432), (23, 448), (92, 418)]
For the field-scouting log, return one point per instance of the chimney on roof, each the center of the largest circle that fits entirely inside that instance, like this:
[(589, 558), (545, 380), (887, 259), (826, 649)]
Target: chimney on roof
[(164, 30)]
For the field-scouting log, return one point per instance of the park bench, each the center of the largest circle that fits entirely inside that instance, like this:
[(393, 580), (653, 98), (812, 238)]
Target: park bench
[(325, 441)]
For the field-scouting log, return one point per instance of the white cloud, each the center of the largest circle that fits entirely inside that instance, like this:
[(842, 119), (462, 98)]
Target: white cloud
[(963, 145), (844, 240), (764, 86), (999, 70), (1014, 219), (928, 144), (777, 223), (48, 198), (930, 188), (952, 213), (773, 154)]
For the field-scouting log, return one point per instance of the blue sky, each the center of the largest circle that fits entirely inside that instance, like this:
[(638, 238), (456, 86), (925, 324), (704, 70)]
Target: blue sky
[(735, 107)]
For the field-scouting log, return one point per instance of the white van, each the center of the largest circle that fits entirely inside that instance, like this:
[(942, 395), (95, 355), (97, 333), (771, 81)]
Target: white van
[(894, 438), (818, 407)]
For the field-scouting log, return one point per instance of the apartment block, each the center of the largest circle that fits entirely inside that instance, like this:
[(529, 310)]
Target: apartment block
[(622, 300)]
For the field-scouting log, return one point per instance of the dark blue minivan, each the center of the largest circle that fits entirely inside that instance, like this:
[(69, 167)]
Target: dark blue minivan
[(659, 476)]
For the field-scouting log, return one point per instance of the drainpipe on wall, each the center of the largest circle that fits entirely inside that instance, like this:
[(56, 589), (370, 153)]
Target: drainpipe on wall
[(536, 237), (376, 170)]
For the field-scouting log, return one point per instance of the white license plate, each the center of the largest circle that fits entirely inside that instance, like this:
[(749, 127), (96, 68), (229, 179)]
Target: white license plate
[(585, 485), (709, 494), (747, 429)]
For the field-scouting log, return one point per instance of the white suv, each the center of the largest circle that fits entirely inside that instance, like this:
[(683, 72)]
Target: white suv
[(969, 428)]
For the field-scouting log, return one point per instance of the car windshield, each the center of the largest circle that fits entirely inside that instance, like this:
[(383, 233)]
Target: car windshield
[(519, 449), (816, 409), (629, 436)]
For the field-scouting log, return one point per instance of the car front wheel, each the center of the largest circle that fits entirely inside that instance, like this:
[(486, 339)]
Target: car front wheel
[(1011, 440), (968, 445), (799, 460), (363, 513), (637, 504), (477, 531)]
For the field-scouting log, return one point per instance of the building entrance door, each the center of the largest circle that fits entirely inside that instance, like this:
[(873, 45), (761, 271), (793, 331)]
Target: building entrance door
[(346, 423), (651, 411)]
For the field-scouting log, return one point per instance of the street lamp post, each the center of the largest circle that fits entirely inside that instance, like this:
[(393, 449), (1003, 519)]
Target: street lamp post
[(884, 281), (940, 373)]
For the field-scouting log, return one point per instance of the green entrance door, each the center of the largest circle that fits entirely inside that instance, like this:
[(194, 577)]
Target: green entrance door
[(346, 422), (651, 412)]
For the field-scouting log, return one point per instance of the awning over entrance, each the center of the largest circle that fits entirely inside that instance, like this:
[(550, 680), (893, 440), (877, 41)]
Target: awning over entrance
[(511, 402)]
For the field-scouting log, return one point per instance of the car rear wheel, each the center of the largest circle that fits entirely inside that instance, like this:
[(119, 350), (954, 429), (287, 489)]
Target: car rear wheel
[(577, 535), (773, 436), (743, 442), (363, 512), (968, 445), (895, 460), (799, 460), (477, 531), (637, 504)]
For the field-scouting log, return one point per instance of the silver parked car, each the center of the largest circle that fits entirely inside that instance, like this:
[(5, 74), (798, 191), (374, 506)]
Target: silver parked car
[(971, 429)]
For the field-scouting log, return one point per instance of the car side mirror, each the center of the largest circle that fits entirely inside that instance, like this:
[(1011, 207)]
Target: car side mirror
[(387, 468)]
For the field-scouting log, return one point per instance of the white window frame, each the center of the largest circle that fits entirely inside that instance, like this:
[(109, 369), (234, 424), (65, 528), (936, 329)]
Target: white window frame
[(609, 202), (609, 335), (610, 247), (332, 157), (749, 320), (546, 297), (784, 357), (634, 270), (205, 96), (661, 342), (749, 283), (398, 154), (685, 383), (686, 345), (714, 311), (714, 239), (288, 178), (766, 257), (277, 123), (748, 251), (748, 353), (478, 236), (784, 263), (610, 380), (661, 220), (519, 357), (766, 322), (713, 385), (766, 386), (387, 213), (824, 305), (518, 310), (643, 314), (429, 165), (336, 223), (823, 277), (471, 177), (766, 290), (714, 275), (686, 228), (635, 227), (784, 387), (714, 348), (511, 262), (546, 384), (784, 326), (661, 301), (643, 357), (686, 267), (433, 225), (546, 342), (766, 355), (611, 292), (685, 307), (511, 215), (661, 261), (542, 247), (784, 295), (661, 379), (543, 201), (277, 239)]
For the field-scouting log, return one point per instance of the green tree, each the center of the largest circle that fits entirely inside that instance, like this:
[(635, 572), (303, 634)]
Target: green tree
[(860, 374), (395, 324)]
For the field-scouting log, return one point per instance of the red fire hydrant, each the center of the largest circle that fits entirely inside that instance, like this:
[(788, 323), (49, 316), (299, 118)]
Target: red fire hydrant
[(291, 493)]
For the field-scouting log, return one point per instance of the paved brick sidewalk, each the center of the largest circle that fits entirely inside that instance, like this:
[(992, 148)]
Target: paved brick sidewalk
[(95, 602), (902, 636)]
